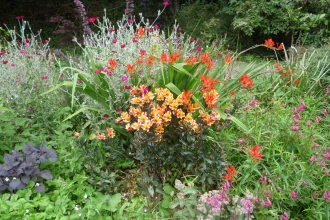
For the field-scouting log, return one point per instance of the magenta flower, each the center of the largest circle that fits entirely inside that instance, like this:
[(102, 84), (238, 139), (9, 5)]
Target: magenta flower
[(284, 216), (240, 140), (27, 40), (267, 202), (92, 20), (97, 71), (156, 26), (124, 78), (118, 110), (30, 109), (19, 17), (309, 123), (105, 116), (135, 40), (312, 158), (165, 3), (123, 46), (198, 49), (22, 51), (127, 87), (35, 86), (13, 64), (295, 128), (26, 45), (5, 61), (46, 41), (325, 112), (318, 119), (44, 78), (114, 41), (294, 195)]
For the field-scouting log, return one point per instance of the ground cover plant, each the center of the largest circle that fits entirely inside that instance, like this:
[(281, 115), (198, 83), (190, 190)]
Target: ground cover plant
[(148, 125)]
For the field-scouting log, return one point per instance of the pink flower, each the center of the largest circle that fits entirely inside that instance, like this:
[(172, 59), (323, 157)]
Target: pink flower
[(35, 86), (294, 128), (27, 40), (97, 71), (5, 61), (297, 116), (22, 51), (284, 216), (309, 123), (130, 20), (294, 195), (322, 163), (114, 41), (123, 45), (305, 183), (325, 112), (267, 202), (105, 116), (240, 140), (118, 110), (326, 172), (26, 45), (315, 145), (19, 17), (198, 49), (318, 119), (165, 3), (124, 78), (127, 87), (135, 40), (156, 26), (46, 41), (44, 78), (92, 20), (312, 158), (13, 64)]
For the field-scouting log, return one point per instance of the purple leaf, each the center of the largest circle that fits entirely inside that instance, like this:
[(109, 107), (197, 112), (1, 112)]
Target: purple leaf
[(40, 187), (25, 179), (46, 174), (9, 159), (51, 155), (15, 183), (28, 149)]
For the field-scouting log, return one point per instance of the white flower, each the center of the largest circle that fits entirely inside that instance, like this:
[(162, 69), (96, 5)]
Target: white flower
[(76, 207), (27, 211), (79, 214), (85, 196), (7, 179), (14, 178), (37, 184)]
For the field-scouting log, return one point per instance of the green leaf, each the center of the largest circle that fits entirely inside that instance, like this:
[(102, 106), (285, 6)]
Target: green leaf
[(114, 201), (168, 189)]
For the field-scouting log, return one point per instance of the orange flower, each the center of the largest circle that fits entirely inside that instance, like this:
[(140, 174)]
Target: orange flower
[(111, 133), (141, 31), (149, 60), (125, 117), (140, 60), (191, 60), (180, 113), (100, 136), (146, 125), (232, 94), (296, 82), (230, 172), (269, 43), (278, 66), (228, 59), (112, 64), (255, 154), (76, 134), (210, 65), (174, 57), (208, 84), (163, 58), (246, 81), (211, 98), (280, 47), (184, 97), (130, 68), (136, 126), (167, 116), (205, 58)]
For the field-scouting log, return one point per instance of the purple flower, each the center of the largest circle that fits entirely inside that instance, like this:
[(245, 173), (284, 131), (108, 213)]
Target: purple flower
[(240, 140), (35, 86), (284, 216), (247, 206), (294, 195)]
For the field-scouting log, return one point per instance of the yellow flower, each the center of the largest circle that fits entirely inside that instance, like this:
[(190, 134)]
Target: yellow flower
[(111, 133), (194, 126), (76, 134), (174, 105), (136, 126), (160, 97), (126, 117), (146, 125), (157, 120), (180, 113), (215, 116), (167, 116), (188, 118), (192, 107), (159, 130), (132, 111), (118, 120), (137, 101), (143, 117), (169, 100)]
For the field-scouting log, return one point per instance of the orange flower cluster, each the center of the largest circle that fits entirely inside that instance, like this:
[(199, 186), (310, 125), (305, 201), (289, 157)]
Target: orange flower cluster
[(230, 172), (209, 93), (246, 81), (255, 154), (228, 59), (281, 70), (270, 43), (140, 32), (153, 112), (102, 136), (206, 59), (191, 60), (112, 64), (172, 58)]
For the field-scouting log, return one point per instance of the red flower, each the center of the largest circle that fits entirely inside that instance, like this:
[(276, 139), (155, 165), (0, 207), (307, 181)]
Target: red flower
[(255, 154), (246, 81), (230, 172), (228, 59), (208, 84), (269, 43)]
